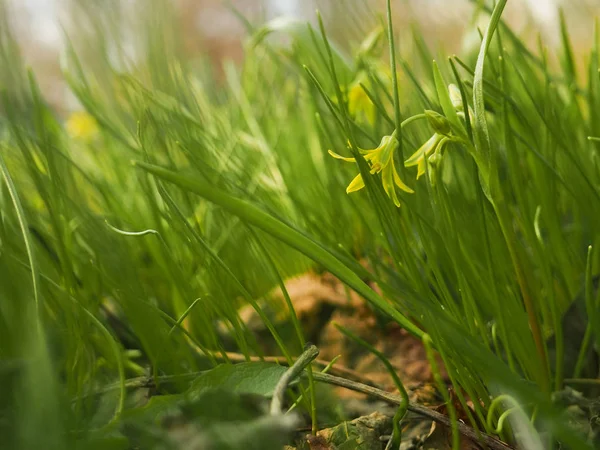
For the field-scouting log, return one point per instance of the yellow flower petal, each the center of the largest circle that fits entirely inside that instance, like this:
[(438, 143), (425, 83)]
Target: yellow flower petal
[(421, 167), (343, 158), (399, 181), (423, 151), (359, 103), (356, 99), (356, 184), (388, 184), (414, 159)]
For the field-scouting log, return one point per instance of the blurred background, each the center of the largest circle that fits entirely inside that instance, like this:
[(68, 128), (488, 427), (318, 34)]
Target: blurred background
[(215, 29)]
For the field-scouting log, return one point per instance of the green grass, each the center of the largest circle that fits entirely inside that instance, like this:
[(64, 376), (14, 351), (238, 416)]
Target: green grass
[(111, 270)]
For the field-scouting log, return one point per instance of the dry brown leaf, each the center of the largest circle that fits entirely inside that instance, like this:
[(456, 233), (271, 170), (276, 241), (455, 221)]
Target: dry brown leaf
[(318, 443)]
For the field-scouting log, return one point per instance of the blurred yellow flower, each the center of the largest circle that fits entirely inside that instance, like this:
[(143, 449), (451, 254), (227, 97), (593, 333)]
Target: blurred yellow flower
[(359, 103), (380, 159), (81, 125)]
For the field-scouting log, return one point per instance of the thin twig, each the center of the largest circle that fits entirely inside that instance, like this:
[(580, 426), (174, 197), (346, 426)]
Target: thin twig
[(336, 369), (147, 382), (142, 383), (584, 381), (395, 399), (290, 375)]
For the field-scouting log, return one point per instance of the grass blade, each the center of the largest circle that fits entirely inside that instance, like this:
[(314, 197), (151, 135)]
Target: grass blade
[(281, 231)]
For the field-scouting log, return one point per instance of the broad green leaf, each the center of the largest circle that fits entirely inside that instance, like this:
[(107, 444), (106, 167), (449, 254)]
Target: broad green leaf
[(259, 378), (156, 409)]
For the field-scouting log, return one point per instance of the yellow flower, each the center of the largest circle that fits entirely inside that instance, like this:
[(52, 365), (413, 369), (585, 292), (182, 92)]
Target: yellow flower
[(418, 157), (81, 125), (359, 103), (380, 159)]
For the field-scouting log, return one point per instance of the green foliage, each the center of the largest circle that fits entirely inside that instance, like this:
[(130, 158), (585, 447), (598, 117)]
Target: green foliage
[(216, 401), (244, 378), (111, 271)]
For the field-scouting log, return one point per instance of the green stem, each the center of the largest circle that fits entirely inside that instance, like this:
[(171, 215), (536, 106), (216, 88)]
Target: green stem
[(585, 343), (521, 421), (427, 343), (392, 47), (401, 412), (534, 324)]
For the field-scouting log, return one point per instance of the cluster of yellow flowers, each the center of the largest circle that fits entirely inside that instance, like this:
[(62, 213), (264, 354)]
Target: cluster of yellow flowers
[(381, 158)]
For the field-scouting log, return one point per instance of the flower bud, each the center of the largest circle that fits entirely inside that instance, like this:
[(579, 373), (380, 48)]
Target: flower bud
[(438, 122), (432, 173), (455, 97), (435, 159)]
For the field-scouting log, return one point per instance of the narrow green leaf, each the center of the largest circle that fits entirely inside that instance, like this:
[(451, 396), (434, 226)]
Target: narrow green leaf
[(568, 59), (283, 232), (463, 96), (12, 190), (480, 128), (392, 47), (445, 102)]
